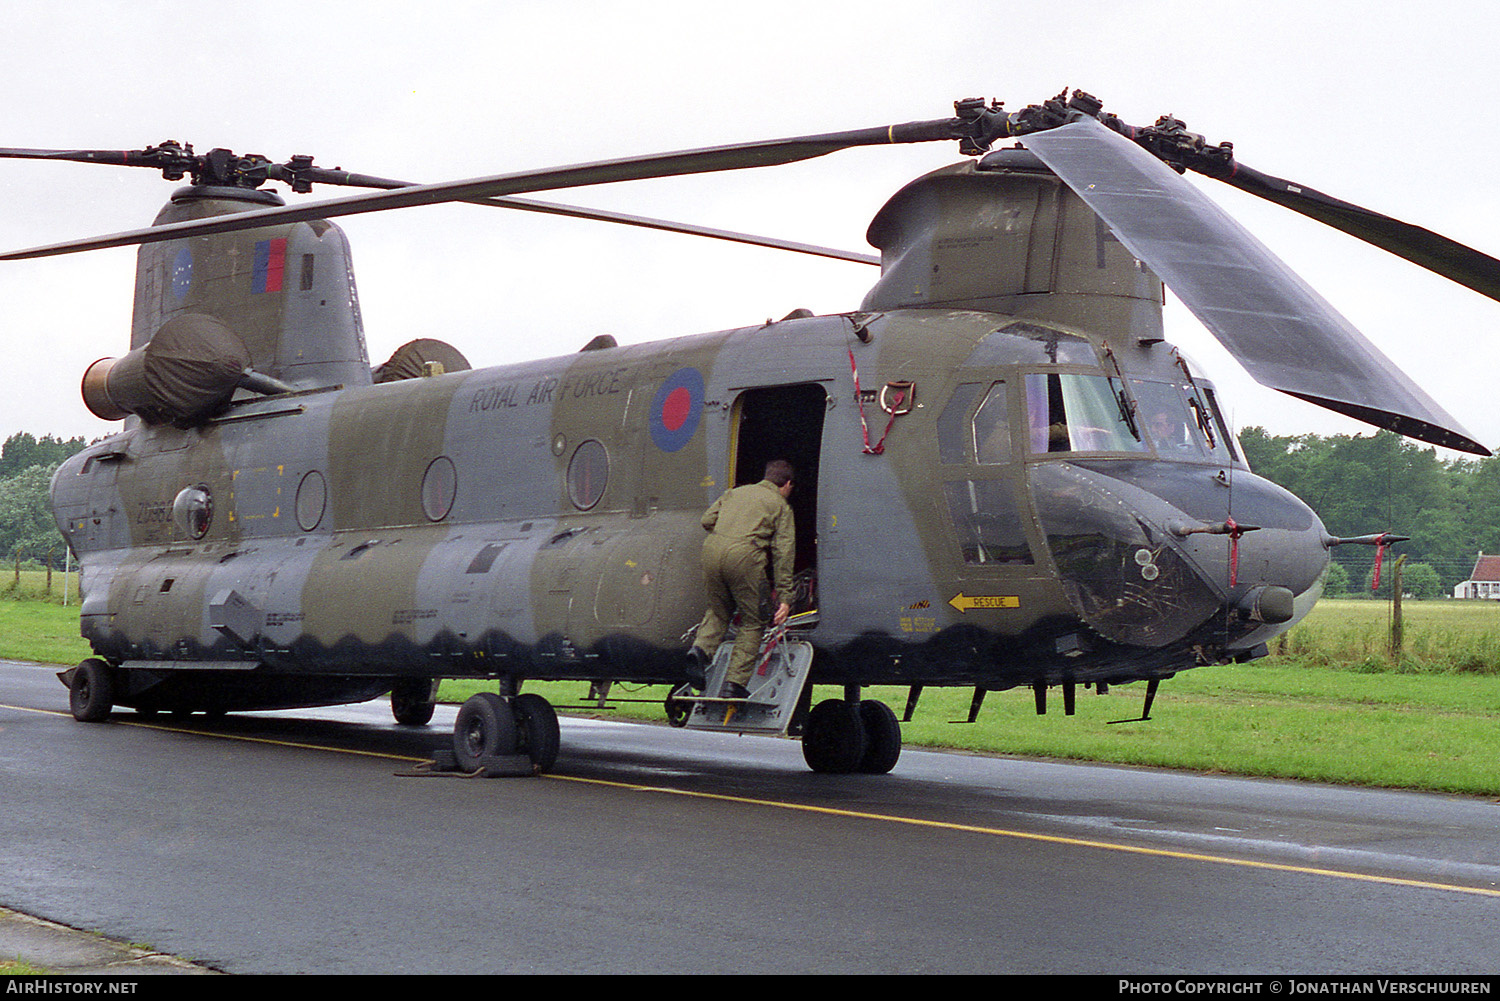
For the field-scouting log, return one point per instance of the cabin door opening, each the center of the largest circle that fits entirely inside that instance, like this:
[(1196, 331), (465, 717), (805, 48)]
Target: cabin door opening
[(785, 422)]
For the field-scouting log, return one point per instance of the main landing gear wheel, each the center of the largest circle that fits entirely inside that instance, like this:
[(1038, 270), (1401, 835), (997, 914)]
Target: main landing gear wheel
[(538, 733), (413, 701), (91, 696), (833, 739), (678, 710), (486, 728), (882, 737)]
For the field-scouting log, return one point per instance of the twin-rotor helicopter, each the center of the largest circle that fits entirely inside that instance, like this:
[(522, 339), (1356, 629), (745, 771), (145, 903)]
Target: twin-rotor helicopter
[(1006, 476)]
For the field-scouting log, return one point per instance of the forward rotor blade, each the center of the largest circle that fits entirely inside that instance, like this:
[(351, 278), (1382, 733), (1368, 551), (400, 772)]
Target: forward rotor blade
[(699, 161), (322, 176), (1423, 247), (667, 225), (1285, 334)]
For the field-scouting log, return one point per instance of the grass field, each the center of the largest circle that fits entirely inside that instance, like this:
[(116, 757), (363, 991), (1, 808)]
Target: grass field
[(1333, 706)]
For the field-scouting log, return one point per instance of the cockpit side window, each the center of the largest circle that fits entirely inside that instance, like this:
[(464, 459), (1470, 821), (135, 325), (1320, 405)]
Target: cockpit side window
[(1078, 412), (992, 428), (953, 424), (1226, 440)]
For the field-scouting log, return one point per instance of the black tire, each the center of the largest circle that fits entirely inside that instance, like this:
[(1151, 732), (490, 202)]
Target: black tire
[(538, 731), (678, 710), (91, 696), (413, 701), (833, 740), (486, 727), (882, 737)]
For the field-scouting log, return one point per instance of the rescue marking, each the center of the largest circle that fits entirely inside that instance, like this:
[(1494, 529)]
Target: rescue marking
[(964, 602)]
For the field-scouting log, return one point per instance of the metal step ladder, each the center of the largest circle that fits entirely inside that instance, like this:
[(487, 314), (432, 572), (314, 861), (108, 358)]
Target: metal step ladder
[(781, 672)]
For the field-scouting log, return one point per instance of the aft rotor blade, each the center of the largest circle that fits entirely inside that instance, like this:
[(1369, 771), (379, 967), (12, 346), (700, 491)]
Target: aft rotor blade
[(1423, 247), (698, 161), (1285, 334)]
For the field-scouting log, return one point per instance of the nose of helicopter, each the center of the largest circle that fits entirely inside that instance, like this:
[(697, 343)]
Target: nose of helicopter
[(1148, 551)]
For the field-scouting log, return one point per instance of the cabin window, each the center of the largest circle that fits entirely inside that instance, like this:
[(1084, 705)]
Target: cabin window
[(988, 522), (1073, 412), (193, 511), (439, 488), (312, 499), (588, 473)]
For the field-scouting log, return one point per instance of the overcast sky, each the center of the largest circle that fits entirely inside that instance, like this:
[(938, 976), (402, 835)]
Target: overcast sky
[(1391, 107)]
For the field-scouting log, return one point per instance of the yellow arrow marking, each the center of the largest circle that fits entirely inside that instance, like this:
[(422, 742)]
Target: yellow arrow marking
[(964, 602)]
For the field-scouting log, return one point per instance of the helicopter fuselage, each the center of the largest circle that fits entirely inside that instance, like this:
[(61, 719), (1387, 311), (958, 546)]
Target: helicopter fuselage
[(541, 520)]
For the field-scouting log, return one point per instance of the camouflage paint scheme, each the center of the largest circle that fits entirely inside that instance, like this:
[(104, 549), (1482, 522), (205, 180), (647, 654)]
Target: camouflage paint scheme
[(455, 525)]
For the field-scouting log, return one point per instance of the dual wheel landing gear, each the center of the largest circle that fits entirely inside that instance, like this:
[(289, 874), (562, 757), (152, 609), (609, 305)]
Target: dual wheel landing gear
[(492, 730), (413, 701), (91, 691), (849, 735)]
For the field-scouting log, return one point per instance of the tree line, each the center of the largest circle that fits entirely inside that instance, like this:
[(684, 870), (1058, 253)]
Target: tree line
[(27, 531), (1360, 484)]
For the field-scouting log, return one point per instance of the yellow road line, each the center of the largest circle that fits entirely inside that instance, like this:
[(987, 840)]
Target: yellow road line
[(231, 736), (1049, 838), (888, 818)]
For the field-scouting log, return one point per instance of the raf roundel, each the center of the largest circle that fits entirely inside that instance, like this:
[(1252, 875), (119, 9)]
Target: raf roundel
[(677, 409)]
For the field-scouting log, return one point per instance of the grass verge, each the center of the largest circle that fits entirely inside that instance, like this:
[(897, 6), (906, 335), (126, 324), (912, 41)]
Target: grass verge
[(1334, 707)]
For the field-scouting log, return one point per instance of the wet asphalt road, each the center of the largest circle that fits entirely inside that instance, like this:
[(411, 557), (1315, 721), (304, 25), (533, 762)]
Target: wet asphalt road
[(307, 842)]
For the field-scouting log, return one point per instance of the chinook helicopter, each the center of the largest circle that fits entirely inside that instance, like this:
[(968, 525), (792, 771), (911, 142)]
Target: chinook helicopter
[(1006, 476)]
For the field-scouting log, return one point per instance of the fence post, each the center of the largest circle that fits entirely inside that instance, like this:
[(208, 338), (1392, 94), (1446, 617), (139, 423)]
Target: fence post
[(1397, 633)]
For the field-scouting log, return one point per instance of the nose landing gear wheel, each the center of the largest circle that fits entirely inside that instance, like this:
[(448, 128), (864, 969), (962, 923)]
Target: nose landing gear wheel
[(678, 710), (413, 701)]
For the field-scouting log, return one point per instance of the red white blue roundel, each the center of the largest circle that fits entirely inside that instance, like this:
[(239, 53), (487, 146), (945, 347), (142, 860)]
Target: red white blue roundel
[(677, 409)]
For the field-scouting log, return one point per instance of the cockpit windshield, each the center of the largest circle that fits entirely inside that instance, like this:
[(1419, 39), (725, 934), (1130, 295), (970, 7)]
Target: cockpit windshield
[(1181, 421), (1077, 412)]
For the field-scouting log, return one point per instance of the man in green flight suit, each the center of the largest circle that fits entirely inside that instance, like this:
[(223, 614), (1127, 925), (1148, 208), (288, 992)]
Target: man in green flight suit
[(745, 525)]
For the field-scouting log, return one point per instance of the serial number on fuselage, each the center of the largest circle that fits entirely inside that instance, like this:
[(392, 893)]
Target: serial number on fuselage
[(153, 512)]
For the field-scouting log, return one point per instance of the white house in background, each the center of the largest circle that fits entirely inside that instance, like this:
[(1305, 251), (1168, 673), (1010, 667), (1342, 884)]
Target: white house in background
[(1484, 582)]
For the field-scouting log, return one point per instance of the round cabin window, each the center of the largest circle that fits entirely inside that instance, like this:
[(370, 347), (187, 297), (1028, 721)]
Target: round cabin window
[(312, 498), (193, 511), (439, 487), (588, 472)]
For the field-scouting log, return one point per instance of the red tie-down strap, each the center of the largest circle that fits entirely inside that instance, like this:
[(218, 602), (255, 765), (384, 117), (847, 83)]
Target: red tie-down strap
[(895, 410), (1231, 528), (1383, 542), (1234, 531)]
